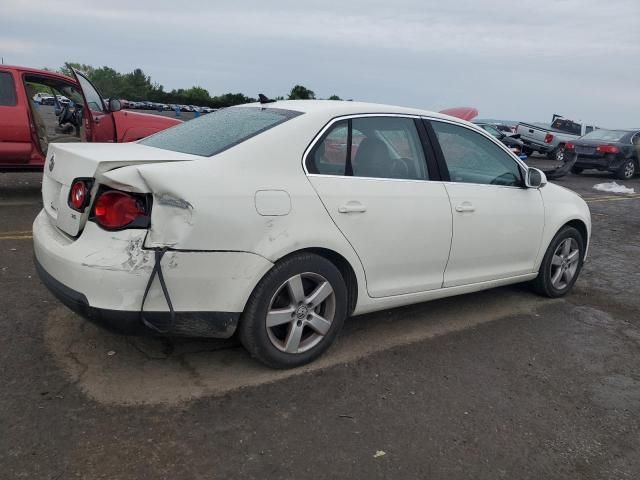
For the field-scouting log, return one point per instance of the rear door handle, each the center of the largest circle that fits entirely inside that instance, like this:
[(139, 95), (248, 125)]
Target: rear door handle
[(465, 207), (352, 207)]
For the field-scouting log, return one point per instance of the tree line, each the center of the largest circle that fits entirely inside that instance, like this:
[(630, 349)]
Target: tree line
[(138, 86)]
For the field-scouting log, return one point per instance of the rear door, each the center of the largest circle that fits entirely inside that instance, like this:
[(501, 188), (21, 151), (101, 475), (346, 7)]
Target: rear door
[(371, 174), (97, 119), (15, 132), (497, 222)]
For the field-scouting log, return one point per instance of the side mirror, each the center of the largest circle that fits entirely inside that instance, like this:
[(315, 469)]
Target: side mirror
[(536, 178), (515, 135), (115, 105)]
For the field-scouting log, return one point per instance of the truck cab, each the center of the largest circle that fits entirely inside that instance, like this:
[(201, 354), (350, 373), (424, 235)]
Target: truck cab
[(76, 113)]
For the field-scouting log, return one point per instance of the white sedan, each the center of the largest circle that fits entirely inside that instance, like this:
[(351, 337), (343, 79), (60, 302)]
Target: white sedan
[(277, 221)]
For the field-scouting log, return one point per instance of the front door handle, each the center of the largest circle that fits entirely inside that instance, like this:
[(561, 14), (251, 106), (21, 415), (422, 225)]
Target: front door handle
[(465, 207), (352, 207)]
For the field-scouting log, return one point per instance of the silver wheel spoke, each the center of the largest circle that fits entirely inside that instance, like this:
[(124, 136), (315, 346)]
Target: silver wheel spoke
[(567, 276), (319, 324), (279, 316), (556, 260), (573, 256), (296, 291), (556, 277), (319, 295), (566, 247), (294, 336)]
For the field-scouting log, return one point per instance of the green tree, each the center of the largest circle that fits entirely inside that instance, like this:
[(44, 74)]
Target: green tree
[(334, 97), (301, 93), (67, 68)]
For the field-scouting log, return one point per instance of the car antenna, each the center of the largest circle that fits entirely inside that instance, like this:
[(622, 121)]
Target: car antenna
[(264, 99)]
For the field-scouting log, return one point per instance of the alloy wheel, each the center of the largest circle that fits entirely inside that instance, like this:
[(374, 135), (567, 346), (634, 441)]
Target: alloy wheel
[(629, 170), (564, 263), (300, 313)]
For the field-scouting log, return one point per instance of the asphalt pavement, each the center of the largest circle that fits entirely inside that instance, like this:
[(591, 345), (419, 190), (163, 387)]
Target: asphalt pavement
[(498, 384)]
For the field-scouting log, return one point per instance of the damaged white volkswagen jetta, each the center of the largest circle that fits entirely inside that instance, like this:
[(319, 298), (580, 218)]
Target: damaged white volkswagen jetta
[(279, 220)]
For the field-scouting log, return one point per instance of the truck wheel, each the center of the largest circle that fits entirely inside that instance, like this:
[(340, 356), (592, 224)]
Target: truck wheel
[(627, 170), (557, 154), (527, 151), (577, 170)]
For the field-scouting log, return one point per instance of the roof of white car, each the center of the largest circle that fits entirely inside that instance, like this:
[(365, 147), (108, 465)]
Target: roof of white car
[(337, 107)]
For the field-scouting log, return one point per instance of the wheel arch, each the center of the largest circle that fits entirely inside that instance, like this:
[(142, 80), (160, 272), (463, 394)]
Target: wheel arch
[(342, 264), (581, 227)]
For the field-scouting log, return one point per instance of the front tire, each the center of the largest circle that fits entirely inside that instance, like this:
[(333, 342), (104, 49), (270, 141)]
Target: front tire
[(295, 312), (561, 264), (627, 170)]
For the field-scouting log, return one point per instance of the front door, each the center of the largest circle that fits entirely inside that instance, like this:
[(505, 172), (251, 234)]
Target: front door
[(97, 119), (371, 174), (497, 223)]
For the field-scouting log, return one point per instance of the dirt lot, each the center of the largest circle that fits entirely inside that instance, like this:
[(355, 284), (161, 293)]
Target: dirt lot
[(499, 384)]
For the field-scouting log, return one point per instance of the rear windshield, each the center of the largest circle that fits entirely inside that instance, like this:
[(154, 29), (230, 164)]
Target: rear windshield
[(7, 90), (219, 130), (606, 135), (567, 126)]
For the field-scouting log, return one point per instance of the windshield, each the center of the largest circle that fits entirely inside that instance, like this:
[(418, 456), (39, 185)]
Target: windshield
[(605, 135), (493, 130), (220, 130)]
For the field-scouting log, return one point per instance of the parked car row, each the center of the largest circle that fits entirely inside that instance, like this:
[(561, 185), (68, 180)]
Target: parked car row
[(165, 106)]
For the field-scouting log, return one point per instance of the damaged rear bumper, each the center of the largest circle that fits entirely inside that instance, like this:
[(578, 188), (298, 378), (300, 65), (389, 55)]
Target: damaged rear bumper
[(103, 275), (191, 324)]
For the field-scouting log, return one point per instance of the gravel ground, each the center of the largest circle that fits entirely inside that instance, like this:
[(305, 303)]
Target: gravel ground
[(498, 384)]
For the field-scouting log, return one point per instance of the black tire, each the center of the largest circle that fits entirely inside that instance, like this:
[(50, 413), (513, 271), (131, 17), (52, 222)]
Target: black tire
[(557, 154), (542, 284), (627, 170), (527, 151), (577, 170), (252, 330)]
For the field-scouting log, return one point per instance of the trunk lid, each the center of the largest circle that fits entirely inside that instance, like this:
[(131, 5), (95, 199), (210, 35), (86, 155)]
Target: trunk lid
[(68, 161)]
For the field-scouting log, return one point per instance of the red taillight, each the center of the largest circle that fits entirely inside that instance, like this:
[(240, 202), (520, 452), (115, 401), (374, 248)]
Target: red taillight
[(607, 149), (548, 138), (79, 193), (114, 210), (569, 147)]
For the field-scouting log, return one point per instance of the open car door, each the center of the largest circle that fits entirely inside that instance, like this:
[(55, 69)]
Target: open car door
[(97, 118)]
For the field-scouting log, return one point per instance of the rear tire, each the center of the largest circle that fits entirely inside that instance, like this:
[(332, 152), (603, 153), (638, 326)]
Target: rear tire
[(284, 324), (557, 154), (627, 170), (561, 264)]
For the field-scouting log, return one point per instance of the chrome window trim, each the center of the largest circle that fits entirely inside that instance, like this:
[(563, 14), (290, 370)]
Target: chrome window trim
[(474, 128), (334, 120)]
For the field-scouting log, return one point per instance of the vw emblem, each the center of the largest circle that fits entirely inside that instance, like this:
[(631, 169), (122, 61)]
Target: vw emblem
[(52, 163)]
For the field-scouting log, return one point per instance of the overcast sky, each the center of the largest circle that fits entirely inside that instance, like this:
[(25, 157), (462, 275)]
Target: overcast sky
[(511, 59)]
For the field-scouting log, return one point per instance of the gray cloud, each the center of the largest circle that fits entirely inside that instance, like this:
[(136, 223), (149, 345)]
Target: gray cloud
[(525, 59)]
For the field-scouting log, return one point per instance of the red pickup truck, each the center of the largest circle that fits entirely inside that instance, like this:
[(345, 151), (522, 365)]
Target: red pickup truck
[(78, 114)]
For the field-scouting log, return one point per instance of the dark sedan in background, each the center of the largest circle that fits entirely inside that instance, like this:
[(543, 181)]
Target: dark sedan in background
[(616, 151)]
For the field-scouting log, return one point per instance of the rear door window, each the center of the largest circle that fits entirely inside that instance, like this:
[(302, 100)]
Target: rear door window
[(7, 90), (373, 147)]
